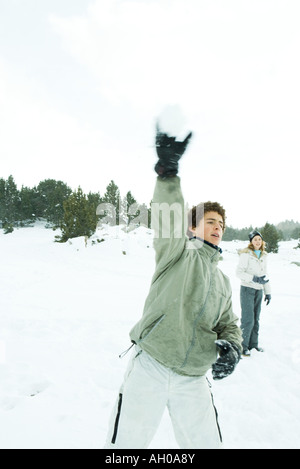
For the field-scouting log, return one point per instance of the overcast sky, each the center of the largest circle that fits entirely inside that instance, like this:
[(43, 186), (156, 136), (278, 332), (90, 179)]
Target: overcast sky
[(83, 81)]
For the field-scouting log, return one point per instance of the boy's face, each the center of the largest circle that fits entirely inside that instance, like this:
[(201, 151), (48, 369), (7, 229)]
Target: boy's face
[(210, 228)]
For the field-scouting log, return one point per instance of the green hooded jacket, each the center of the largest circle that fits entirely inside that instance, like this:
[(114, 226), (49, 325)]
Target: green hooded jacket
[(189, 304)]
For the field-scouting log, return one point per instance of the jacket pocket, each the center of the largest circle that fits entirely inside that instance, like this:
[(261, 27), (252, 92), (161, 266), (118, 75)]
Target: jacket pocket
[(151, 327)]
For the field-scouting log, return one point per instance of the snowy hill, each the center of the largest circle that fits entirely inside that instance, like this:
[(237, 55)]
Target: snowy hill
[(66, 310)]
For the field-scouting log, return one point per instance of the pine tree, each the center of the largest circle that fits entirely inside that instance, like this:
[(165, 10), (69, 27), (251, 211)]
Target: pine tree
[(94, 200), (235, 233), (112, 200), (52, 195), (9, 201), (2, 200), (129, 201), (271, 237), (27, 205), (289, 229), (79, 217), (295, 233)]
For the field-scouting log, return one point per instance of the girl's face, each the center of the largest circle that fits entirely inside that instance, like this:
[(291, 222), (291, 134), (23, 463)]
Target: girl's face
[(257, 242)]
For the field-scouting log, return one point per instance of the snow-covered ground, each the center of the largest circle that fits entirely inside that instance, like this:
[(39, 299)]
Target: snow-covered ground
[(66, 310)]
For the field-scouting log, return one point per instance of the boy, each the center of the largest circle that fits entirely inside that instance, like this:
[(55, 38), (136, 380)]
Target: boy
[(187, 318)]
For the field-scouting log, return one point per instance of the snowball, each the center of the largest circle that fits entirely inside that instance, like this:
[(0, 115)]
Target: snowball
[(172, 122)]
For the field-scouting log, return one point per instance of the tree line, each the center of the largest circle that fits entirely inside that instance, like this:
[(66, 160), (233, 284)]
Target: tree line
[(77, 214), (73, 211)]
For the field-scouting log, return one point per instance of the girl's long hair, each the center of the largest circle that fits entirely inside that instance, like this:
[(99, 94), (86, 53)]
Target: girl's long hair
[(262, 248)]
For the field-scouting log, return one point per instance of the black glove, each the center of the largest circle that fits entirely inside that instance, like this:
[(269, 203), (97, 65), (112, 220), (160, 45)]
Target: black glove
[(229, 356), (267, 299), (169, 152), (260, 280)]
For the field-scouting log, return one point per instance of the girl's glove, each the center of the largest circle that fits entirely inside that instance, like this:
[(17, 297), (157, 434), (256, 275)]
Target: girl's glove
[(267, 299), (260, 280)]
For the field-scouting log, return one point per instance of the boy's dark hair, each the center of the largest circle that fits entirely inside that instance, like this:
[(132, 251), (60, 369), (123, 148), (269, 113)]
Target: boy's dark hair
[(196, 214)]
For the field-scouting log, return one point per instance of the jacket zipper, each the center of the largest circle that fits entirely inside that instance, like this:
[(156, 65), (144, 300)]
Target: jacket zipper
[(197, 319)]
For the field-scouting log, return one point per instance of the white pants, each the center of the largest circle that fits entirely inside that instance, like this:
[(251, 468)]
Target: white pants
[(147, 389)]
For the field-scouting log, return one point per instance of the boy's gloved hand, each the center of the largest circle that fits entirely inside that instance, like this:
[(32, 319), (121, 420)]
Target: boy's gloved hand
[(227, 361), (169, 152)]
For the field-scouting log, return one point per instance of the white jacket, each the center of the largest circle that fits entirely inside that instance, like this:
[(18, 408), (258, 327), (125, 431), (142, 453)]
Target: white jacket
[(250, 265)]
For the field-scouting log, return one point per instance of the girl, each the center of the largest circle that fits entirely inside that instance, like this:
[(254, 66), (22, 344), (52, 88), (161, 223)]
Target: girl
[(252, 270)]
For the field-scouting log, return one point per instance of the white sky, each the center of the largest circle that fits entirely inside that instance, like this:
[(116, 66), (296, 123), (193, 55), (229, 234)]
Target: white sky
[(83, 81)]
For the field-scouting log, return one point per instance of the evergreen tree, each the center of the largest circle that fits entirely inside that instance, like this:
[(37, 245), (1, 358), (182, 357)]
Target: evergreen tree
[(2, 200), (129, 214), (79, 217), (271, 237), (133, 213), (94, 199), (12, 200), (230, 234), (241, 234), (288, 228), (77, 213), (51, 196), (9, 202), (295, 233), (112, 200), (27, 205)]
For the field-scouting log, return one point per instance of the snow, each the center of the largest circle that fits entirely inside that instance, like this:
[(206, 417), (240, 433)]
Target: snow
[(172, 121), (66, 311)]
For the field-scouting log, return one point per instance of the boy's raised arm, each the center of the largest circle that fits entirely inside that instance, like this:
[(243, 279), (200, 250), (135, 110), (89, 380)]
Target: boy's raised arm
[(167, 210)]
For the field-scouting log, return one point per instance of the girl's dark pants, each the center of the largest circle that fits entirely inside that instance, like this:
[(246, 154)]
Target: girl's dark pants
[(251, 306)]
